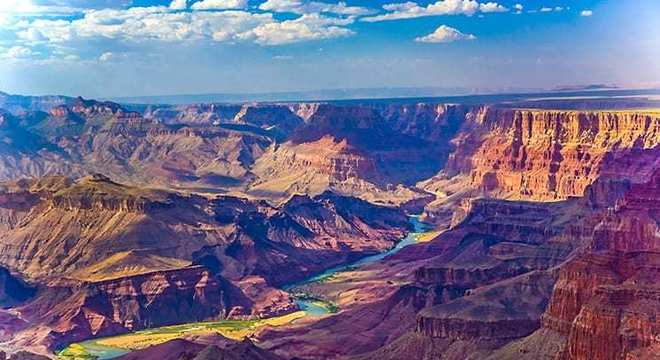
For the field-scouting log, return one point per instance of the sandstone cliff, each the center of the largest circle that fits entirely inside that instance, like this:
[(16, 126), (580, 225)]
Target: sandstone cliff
[(74, 311), (606, 298), (543, 154)]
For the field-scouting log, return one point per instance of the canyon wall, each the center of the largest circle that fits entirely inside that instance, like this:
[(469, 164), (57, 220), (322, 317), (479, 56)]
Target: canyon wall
[(607, 298), (551, 154)]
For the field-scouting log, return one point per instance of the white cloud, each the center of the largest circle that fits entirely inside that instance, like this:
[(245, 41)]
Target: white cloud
[(32, 35), (445, 34), (586, 13), (491, 7), (305, 28), (409, 10), (160, 23), (179, 4), (219, 4), (17, 52), (300, 7), (547, 9), (106, 56), (518, 8)]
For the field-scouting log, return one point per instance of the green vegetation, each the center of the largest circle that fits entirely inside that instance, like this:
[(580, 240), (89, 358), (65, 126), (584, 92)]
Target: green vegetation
[(121, 344), (76, 352)]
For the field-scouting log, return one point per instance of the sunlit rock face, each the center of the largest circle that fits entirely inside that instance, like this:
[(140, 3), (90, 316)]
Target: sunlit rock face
[(606, 298), (548, 154)]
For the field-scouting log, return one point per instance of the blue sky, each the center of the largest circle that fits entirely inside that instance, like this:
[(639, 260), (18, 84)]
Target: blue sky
[(107, 48)]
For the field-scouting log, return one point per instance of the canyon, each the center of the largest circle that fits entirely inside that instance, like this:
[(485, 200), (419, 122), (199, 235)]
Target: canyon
[(542, 236)]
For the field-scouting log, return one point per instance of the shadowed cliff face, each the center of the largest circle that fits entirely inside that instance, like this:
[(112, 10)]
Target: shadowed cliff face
[(606, 299), (12, 290), (72, 311), (111, 258)]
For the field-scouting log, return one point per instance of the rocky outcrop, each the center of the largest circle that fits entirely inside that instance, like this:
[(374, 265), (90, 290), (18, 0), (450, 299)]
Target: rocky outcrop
[(541, 154), (121, 255), (353, 150), (276, 117), (86, 137), (606, 298), (112, 258), (197, 114), (503, 311), (135, 302), (19, 103), (107, 229)]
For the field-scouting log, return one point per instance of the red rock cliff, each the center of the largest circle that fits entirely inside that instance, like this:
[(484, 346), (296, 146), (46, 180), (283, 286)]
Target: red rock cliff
[(607, 298), (550, 154)]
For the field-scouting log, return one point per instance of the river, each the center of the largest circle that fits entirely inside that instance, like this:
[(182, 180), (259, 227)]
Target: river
[(92, 349), (316, 307)]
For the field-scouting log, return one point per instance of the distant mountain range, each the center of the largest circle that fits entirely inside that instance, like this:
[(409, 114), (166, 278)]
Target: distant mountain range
[(15, 103), (317, 95)]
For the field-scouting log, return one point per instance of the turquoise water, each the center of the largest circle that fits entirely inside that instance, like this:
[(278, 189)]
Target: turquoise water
[(310, 306)]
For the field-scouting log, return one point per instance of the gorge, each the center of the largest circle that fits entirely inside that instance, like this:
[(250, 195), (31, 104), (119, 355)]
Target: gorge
[(284, 230)]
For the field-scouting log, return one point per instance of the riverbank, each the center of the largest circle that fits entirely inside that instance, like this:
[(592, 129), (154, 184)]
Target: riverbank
[(311, 305)]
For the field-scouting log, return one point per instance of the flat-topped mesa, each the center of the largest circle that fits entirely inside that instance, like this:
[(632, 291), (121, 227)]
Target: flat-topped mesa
[(195, 114), (352, 149), (369, 226), (342, 122), (95, 108), (516, 221), (477, 317), (549, 154), (98, 192), (267, 116)]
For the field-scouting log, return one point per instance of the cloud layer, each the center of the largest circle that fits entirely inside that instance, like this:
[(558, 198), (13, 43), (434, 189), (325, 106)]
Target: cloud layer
[(64, 28), (410, 10)]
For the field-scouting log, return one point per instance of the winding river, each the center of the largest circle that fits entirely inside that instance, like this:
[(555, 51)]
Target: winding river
[(96, 349)]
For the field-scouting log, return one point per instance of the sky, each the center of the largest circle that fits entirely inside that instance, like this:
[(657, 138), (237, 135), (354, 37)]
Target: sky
[(113, 48)]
